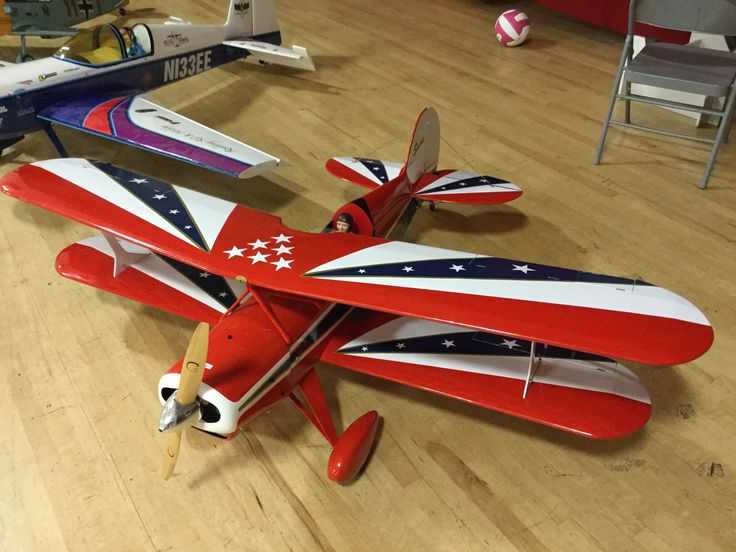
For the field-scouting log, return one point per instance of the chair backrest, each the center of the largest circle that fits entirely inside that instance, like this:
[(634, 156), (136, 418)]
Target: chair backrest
[(705, 16)]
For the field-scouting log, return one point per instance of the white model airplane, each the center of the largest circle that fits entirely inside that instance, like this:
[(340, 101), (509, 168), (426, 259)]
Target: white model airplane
[(94, 83)]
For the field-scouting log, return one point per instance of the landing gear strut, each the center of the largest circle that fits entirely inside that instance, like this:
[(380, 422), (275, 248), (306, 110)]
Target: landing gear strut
[(9, 142)]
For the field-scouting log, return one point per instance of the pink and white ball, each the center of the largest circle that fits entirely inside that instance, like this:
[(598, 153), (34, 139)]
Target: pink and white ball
[(512, 28)]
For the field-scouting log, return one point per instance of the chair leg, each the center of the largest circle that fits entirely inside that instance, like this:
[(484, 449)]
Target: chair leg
[(627, 103), (722, 129), (612, 101)]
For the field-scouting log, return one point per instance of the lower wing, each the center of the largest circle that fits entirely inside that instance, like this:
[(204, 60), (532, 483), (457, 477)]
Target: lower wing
[(138, 122), (577, 392), (149, 278)]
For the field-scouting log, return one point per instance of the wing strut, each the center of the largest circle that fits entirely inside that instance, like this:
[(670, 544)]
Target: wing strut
[(122, 258), (271, 316), (534, 362)]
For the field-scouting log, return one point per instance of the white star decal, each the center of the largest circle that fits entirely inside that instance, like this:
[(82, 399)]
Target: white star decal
[(463, 184), (457, 268), (139, 180), (408, 269), (235, 252), (283, 250), (510, 343), (259, 258), (258, 244), (447, 343), (188, 227), (400, 346), (282, 263), (174, 212), (523, 268), (159, 196), (223, 294), (364, 349), (484, 180), (204, 274), (361, 271), (282, 239), (207, 366)]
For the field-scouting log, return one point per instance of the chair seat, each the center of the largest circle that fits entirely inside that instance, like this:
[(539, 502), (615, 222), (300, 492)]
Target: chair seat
[(684, 68)]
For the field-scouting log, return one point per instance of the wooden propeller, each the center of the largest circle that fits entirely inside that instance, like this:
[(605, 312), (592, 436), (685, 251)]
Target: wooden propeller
[(192, 370)]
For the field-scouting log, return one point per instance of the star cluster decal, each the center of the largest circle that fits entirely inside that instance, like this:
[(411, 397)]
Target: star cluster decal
[(159, 196), (276, 251)]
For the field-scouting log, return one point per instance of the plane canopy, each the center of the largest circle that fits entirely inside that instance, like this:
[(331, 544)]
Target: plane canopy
[(106, 44)]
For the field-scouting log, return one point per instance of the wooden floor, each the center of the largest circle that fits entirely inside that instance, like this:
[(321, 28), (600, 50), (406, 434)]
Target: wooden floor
[(79, 446)]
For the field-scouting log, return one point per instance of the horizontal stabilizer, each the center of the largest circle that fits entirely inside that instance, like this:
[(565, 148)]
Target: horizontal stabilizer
[(451, 186), (584, 394), (154, 280), (369, 173), (296, 56), (138, 122)]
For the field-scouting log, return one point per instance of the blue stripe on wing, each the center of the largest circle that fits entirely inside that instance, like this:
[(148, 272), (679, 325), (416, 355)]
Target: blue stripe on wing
[(213, 285), (159, 196), (484, 268), (468, 343)]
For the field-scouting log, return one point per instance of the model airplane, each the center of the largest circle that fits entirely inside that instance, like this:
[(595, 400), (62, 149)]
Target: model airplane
[(526, 339), (94, 84), (53, 18)]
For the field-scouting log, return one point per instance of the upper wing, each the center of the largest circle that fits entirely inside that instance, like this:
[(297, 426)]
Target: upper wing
[(586, 394), (296, 56), (610, 316), (141, 123)]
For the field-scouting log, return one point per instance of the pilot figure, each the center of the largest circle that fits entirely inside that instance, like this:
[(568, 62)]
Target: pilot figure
[(132, 48), (344, 223)]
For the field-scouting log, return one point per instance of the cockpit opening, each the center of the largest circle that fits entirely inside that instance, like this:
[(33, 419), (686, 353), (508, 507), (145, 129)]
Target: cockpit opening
[(106, 44)]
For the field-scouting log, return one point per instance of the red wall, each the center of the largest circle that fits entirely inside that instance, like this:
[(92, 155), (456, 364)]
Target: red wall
[(612, 14)]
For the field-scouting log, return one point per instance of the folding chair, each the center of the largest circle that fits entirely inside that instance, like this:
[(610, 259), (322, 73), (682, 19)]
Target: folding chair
[(678, 67)]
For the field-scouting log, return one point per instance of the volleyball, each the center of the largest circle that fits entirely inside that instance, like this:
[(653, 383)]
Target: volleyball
[(512, 28)]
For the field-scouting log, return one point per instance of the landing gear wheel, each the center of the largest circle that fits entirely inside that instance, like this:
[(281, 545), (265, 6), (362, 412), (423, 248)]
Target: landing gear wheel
[(432, 206), (22, 58), (352, 448)]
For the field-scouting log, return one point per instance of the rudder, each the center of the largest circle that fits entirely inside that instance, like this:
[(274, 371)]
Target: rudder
[(249, 18), (424, 150)]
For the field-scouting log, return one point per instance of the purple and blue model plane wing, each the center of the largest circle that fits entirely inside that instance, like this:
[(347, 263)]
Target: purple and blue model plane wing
[(138, 122)]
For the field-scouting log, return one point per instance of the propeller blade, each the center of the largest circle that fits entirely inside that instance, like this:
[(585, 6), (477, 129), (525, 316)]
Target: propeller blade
[(192, 367), (173, 443), (192, 371)]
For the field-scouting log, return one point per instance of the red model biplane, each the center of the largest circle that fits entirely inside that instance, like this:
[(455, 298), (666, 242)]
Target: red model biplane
[(526, 339)]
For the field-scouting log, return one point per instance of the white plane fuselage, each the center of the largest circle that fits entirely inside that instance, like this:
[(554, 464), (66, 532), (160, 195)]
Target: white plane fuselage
[(178, 51)]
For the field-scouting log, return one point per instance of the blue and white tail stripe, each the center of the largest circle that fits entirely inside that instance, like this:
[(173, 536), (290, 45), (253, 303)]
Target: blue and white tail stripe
[(462, 182), (377, 171)]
